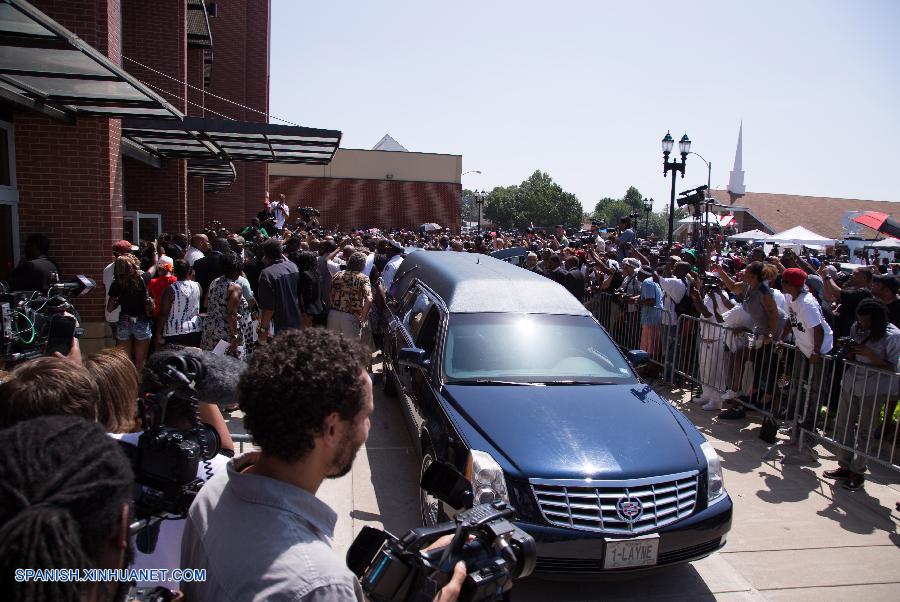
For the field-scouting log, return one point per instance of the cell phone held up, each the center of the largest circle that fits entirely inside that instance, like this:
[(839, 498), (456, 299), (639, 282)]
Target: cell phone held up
[(60, 335)]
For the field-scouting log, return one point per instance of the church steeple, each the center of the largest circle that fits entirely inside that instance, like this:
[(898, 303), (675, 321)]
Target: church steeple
[(736, 178)]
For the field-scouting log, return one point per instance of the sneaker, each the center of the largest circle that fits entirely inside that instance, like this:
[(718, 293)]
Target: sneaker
[(732, 414), (855, 482), (730, 394), (840, 473), (712, 406)]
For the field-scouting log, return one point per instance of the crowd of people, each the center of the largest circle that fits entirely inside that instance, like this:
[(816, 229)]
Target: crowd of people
[(299, 303)]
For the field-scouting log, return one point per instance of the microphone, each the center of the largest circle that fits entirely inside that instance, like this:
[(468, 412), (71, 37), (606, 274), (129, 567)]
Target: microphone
[(215, 377)]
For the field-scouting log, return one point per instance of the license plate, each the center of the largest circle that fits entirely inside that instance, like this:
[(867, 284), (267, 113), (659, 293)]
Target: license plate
[(625, 553)]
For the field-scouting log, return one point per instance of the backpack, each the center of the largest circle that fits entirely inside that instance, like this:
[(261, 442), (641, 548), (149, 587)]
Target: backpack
[(685, 307)]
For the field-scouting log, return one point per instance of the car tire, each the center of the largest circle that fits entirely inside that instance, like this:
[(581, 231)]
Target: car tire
[(430, 508)]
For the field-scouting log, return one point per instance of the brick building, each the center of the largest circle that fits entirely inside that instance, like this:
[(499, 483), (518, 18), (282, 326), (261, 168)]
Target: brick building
[(376, 188), (113, 124)]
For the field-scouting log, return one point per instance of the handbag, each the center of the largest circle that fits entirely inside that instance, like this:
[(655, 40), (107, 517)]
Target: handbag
[(768, 432)]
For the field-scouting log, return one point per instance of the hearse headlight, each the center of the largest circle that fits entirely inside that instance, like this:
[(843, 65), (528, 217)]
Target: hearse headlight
[(715, 480), (486, 477)]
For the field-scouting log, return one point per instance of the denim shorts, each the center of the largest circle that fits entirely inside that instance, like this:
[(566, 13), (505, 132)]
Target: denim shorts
[(139, 329)]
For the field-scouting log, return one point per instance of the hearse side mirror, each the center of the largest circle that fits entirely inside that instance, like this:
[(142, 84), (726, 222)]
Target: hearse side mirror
[(637, 357), (413, 357), (446, 484)]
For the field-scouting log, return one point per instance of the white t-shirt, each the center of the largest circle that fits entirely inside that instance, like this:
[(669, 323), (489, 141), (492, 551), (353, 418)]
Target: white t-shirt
[(708, 331), (674, 290), (167, 554), (108, 277), (192, 254), (390, 269), (805, 314), (282, 211), (370, 262)]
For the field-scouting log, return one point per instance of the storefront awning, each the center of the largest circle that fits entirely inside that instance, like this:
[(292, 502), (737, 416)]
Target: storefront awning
[(45, 67), (217, 174), (197, 137), (198, 30)]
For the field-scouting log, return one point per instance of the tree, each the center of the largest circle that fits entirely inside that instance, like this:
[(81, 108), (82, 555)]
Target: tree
[(469, 210), (538, 200), (634, 199)]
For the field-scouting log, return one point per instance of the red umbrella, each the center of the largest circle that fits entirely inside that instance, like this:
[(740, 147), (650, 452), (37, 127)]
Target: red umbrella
[(879, 221)]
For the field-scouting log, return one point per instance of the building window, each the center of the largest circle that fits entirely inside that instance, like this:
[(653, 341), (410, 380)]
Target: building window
[(9, 203)]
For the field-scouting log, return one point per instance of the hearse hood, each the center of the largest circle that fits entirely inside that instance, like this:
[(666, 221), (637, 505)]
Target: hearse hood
[(575, 431)]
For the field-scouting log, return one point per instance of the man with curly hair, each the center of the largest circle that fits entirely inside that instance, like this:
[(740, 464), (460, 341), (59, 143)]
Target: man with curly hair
[(307, 399)]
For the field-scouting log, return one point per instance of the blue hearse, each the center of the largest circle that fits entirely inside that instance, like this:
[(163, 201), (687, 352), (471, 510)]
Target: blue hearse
[(505, 376)]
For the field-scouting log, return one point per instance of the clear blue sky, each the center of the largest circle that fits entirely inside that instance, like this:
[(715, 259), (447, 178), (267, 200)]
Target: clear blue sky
[(586, 90)]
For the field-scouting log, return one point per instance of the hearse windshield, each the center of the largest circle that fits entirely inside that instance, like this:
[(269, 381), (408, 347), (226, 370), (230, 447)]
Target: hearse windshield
[(531, 349)]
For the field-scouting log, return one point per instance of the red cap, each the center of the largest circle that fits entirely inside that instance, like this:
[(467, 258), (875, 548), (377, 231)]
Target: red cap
[(794, 277), (121, 247)]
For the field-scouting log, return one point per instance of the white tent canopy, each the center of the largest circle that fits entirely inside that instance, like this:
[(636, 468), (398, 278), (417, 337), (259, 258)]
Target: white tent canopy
[(887, 243), (750, 235), (798, 235)]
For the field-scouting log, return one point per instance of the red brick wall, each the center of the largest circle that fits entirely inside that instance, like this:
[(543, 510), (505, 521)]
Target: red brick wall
[(160, 190), (240, 72), (373, 203), (70, 175), (155, 35), (195, 204)]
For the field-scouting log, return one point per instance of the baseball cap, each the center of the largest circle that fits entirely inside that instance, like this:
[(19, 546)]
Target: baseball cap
[(794, 276), (121, 247), (890, 281), (164, 262)]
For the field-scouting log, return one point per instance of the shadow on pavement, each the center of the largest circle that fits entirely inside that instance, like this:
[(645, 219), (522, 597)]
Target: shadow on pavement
[(677, 582)]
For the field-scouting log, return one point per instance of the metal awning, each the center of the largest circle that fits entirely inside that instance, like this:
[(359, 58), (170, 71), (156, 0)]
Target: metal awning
[(217, 174), (197, 137), (45, 67), (198, 31)]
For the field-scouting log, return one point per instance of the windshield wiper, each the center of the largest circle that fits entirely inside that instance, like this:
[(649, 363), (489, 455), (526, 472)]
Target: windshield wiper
[(551, 383), (487, 381)]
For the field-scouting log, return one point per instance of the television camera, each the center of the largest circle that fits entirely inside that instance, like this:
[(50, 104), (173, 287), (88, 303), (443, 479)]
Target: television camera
[(496, 552), (167, 455), (33, 323)]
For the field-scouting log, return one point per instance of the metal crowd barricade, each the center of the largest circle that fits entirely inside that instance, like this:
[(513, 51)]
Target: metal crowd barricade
[(625, 326), (853, 411), (243, 442), (717, 358)]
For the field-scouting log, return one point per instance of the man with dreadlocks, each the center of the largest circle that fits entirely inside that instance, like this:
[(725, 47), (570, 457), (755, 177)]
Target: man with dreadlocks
[(64, 498)]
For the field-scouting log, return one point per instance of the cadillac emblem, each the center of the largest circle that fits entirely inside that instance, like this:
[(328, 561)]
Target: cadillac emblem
[(629, 509)]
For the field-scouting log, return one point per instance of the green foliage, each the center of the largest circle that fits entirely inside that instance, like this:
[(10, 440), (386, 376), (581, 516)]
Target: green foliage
[(469, 210), (612, 210), (538, 200)]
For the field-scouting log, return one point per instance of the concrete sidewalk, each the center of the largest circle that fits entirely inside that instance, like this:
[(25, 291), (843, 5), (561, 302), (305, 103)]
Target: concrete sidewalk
[(795, 536)]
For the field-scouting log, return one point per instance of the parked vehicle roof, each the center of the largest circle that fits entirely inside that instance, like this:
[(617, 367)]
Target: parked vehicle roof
[(470, 283)]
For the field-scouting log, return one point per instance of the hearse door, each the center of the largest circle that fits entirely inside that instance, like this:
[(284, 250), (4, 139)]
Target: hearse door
[(424, 401), (413, 319)]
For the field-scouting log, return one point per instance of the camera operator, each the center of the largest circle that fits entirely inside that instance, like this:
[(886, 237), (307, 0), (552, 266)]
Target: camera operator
[(625, 236), (876, 343), (167, 551), (711, 306), (307, 400), (36, 271), (64, 503)]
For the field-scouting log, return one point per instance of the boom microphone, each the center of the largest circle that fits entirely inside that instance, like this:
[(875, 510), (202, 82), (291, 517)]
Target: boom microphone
[(215, 377)]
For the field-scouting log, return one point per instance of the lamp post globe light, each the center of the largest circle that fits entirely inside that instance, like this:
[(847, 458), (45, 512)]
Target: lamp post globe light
[(684, 147), (648, 209), (480, 197)]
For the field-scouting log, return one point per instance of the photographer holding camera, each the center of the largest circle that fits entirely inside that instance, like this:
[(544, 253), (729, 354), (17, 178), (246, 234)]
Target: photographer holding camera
[(307, 399)]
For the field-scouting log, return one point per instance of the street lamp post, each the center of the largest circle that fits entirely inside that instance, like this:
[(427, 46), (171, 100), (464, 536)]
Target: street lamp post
[(479, 201), (648, 209), (684, 147)]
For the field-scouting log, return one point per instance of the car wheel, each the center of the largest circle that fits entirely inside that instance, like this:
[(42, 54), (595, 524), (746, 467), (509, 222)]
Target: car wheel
[(431, 508), (387, 382)]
